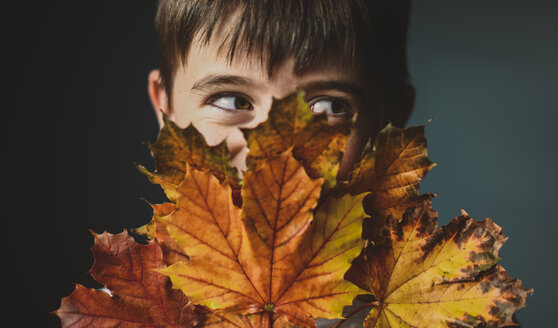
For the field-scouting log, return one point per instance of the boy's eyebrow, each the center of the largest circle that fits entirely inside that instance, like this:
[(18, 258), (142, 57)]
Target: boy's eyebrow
[(229, 79), (344, 86), (215, 80)]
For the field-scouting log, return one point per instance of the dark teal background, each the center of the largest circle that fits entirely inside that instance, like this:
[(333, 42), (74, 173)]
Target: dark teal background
[(486, 73), (75, 112)]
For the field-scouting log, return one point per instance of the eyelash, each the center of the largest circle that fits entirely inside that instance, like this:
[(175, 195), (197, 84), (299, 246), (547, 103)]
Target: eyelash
[(350, 108), (213, 98), (217, 96)]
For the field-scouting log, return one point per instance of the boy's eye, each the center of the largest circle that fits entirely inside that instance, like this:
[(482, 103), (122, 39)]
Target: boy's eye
[(231, 102), (331, 107)]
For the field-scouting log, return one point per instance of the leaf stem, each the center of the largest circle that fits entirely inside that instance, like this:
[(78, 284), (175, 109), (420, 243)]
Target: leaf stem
[(375, 303)]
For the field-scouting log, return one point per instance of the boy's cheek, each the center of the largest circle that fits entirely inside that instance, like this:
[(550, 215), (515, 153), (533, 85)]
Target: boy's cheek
[(214, 134)]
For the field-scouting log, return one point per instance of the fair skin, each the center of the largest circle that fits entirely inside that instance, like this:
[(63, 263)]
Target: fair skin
[(219, 98)]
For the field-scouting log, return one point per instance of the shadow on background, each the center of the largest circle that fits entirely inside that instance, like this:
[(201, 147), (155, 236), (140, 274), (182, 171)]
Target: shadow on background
[(76, 113)]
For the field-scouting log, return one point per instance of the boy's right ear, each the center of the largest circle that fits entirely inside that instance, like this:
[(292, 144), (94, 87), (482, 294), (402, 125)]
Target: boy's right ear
[(158, 96)]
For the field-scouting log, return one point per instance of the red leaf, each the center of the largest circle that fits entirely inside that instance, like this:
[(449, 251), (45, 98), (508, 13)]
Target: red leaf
[(141, 297)]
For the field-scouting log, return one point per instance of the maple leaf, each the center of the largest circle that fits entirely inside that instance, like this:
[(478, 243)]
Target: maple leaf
[(291, 140), (273, 255), (425, 276), (176, 147), (172, 252), (317, 144), (391, 170), (141, 297), (232, 320)]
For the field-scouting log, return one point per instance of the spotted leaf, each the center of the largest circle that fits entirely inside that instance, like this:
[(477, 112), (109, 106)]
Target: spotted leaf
[(426, 276)]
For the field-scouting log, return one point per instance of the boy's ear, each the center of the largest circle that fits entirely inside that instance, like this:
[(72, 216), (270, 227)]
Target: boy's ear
[(401, 111), (158, 96)]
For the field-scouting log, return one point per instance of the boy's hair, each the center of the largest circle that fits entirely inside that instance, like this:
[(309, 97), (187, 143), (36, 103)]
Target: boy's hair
[(372, 33)]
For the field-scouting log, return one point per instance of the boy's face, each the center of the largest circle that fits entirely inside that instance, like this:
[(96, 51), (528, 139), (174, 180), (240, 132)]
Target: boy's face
[(219, 98)]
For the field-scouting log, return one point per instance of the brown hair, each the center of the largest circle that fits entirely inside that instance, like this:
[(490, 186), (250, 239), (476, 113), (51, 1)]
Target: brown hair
[(309, 30)]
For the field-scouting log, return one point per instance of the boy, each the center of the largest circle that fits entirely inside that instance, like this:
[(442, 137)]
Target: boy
[(222, 62)]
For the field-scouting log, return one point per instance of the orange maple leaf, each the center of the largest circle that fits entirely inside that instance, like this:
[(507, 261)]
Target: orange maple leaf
[(273, 255)]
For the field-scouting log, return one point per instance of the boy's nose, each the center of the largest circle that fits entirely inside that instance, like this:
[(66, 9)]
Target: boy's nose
[(283, 80)]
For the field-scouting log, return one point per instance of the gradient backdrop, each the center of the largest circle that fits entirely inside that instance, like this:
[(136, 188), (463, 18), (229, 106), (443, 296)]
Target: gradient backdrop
[(75, 113)]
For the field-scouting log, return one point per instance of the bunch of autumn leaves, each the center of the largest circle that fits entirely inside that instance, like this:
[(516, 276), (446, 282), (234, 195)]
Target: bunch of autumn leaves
[(287, 243)]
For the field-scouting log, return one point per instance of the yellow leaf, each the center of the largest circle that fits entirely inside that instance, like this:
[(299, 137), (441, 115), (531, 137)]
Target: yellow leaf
[(425, 276)]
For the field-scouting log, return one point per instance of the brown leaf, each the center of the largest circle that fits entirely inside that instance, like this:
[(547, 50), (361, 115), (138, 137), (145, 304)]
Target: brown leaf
[(319, 147), (176, 147), (391, 171), (141, 297), (287, 118), (291, 124)]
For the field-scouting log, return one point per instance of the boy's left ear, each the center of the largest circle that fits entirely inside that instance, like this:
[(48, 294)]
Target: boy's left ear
[(400, 112)]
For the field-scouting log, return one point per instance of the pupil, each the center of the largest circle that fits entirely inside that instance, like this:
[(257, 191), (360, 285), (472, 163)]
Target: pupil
[(241, 103), (336, 108)]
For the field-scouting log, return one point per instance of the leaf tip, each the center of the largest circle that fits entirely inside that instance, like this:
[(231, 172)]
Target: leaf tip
[(166, 118), (146, 201), (143, 170), (93, 233)]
